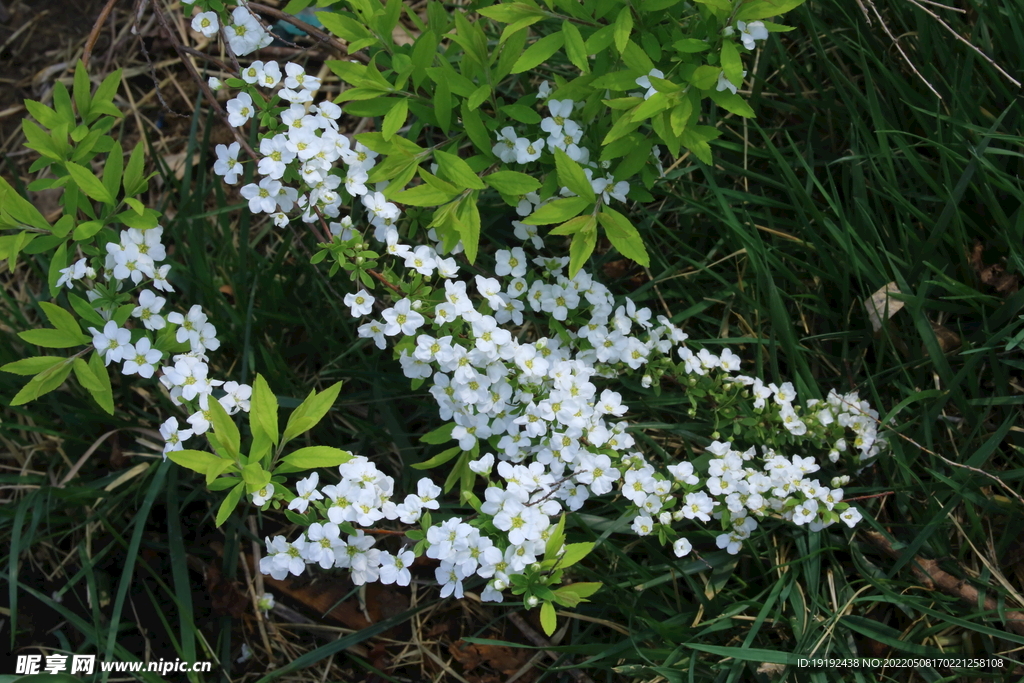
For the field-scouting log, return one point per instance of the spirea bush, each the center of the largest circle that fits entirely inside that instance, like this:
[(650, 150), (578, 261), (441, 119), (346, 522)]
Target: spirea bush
[(561, 110)]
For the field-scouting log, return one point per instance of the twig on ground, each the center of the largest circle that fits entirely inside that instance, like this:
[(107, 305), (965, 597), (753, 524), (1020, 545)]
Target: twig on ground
[(932, 576), (542, 642), (94, 34)]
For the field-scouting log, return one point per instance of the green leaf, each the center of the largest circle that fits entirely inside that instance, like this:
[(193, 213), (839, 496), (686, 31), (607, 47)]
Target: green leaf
[(763, 9), (548, 620), (555, 540), (230, 503), (467, 222), (83, 90), (574, 552), (263, 410), (731, 62), (539, 52), (197, 461), (443, 105), (581, 591), (623, 236), (57, 263), (54, 339), (344, 27), (512, 182), (89, 183), (575, 50), (96, 383), (705, 77), (457, 171), (572, 226), (442, 434), (32, 366), (476, 130), (571, 175), (45, 382), (731, 102), (312, 457), (225, 428), (423, 195), (557, 211), (60, 318), (582, 246), (113, 169), (311, 411), (134, 180), (395, 119), (479, 96), (255, 477), (20, 209), (521, 113), (86, 311), (510, 12), (691, 45), (437, 460), (623, 27)]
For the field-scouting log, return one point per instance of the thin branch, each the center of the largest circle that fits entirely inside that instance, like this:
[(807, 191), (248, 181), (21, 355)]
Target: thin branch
[(932, 576), (94, 34), (311, 31)]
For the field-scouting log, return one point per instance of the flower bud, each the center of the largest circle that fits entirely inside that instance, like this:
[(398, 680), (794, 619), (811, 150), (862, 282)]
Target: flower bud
[(647, 381), (417, 305), (500, 585), (359, 260), (532, 602)]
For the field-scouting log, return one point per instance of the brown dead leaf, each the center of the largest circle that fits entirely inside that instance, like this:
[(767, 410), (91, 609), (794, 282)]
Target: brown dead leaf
[(501, 658), (993, 275), (881, 306), (226, 597), (948, 339)]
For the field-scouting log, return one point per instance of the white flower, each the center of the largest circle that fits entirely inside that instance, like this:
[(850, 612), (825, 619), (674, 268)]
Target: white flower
[(306, 488), (402, 319), (725, 84), (681, 547), (148, 310), (227, 163), (236, 397), (361, 303), (112, 342), (260, 498), (751, 32), (139, 359), (645, 82), (240, 110), (395, 568), (850, 516), (173, 436), (206, 23)]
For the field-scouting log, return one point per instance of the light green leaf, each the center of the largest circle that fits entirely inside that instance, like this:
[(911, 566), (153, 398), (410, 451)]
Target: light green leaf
[(311, 411), (557, 211), (225, 428), (423, 195), (479, 96), (732, 102), (60, 318), (255, 477), (512, 182), (574, 552), (263, 410), (571, 175), (312, 457), (732, 64), (54, 339), (623, 27), (582, 247), (571, 226), (442, 434), (655, 104), (457, 171), (45, 382), (521, 113), (197, 461), (623, 236), (691, 45), (437, 460), (467, 222), (575, 50), (97, 386), (539, 52), (548, 619), (555, 540), (32, 366), (395, 119), (89, 183), (762, 9), (705, 77), (230, 503)]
